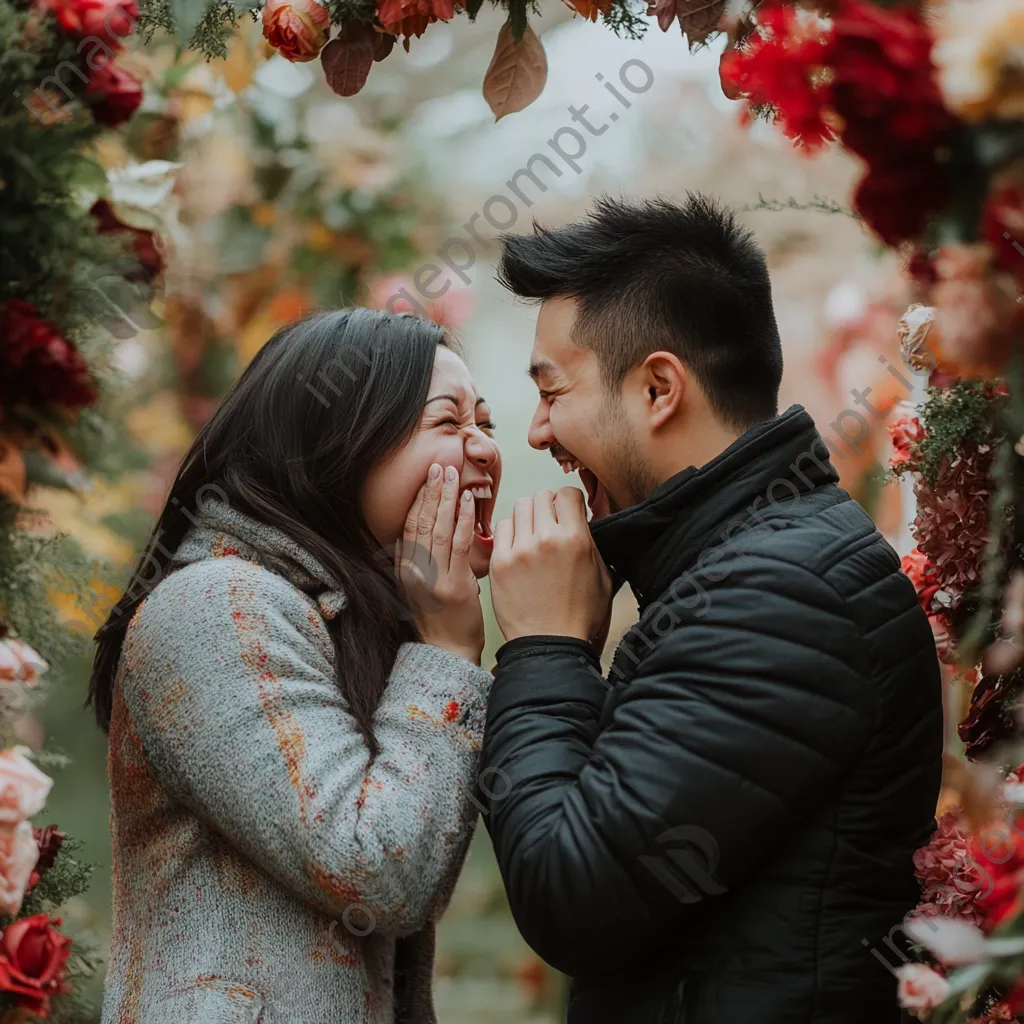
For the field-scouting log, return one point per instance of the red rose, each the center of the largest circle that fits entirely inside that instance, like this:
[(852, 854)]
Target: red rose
[(37, 365), (142, 242), (110, 21), (113, 95), (33, 955), (411, 17), (297, 30)]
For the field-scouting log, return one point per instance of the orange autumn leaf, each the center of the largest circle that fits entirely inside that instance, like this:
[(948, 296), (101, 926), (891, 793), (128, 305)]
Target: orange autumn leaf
[(517, 72), (12, 470)]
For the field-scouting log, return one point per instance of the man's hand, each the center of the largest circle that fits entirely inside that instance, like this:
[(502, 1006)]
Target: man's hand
[(546, 574)]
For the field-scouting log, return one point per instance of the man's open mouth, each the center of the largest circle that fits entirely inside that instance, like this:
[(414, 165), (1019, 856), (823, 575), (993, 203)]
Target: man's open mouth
[(483, 499), (597, 497)]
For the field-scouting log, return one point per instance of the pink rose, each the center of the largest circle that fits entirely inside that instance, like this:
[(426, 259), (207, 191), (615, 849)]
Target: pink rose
[(19, 852), (23, 787), (920, 989), (298, 29)]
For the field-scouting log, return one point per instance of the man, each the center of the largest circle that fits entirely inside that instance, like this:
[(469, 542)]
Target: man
[(724, 831)]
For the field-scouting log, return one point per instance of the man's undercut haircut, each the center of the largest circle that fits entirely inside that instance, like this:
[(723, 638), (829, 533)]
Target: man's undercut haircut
[(655, 275)]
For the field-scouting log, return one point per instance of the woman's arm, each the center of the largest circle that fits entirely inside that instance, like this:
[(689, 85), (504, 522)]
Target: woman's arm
[(232, 695)]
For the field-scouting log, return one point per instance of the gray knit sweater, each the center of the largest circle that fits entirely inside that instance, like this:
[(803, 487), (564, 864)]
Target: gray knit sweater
[(266, 870)]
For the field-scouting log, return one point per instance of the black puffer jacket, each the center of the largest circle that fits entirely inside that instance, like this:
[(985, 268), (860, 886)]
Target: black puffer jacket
[(723, 833)]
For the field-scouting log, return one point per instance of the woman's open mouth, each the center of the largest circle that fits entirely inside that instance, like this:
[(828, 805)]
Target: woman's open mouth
[(483, 498)]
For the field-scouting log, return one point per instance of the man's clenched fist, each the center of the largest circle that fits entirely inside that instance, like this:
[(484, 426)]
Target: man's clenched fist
[(546, 574)]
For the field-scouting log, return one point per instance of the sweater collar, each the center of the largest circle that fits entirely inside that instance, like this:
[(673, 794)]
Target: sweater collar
[(651, 543), (220, 531)]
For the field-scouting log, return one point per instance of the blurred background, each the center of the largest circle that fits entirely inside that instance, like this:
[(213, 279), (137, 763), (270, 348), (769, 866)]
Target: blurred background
[(276, 196)]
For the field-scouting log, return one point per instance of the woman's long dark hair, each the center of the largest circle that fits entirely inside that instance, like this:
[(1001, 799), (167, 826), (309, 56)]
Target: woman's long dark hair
[(291, 444)]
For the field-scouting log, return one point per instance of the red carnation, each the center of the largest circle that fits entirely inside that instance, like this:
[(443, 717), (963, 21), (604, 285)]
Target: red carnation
[(110, 21), (33, 955), (142, 242), (906, 433), (113, 94), (37, 365)]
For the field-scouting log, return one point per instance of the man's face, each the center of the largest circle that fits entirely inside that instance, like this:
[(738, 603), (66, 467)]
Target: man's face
[(584, 425)]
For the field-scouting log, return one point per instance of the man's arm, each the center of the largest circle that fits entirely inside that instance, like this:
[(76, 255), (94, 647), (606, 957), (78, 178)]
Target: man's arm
[(735, 728)]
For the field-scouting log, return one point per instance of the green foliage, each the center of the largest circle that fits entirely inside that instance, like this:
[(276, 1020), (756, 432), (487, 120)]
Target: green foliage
[(963, 411), (213, 29), (67, 877), (627, 19), (351, 10)]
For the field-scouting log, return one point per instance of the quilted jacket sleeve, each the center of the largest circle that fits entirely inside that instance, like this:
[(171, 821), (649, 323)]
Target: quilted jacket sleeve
[(228, 676), (738, 723)]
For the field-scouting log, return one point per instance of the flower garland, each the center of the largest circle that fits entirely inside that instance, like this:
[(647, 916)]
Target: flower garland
[(929, 98), (72, 274)]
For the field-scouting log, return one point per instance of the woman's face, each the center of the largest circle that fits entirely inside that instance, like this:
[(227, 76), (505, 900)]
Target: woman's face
[(455, 429)]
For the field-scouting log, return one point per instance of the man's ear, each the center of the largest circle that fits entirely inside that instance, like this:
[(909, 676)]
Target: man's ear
[(664, 379)]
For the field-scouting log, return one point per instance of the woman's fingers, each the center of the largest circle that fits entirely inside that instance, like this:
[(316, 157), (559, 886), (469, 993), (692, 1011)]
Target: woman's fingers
[(431, 492), (463, 539), (444, 521)]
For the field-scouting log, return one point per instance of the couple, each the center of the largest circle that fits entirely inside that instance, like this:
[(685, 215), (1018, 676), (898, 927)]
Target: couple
[(301, 736)]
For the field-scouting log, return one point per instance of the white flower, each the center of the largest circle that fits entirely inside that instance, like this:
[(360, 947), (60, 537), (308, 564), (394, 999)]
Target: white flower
[(19, 663), (920, 989), (952, 940)]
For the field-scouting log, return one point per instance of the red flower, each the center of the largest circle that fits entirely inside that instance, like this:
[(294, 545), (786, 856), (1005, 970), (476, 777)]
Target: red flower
[(949, 876), (37, 365), (872, 71), (411, 17), (906, 432), (110, 21), (33, 955), (297, 29), (990, 718), (897, 198), (143, 243), (451, 712), (1004, 216), (776, 67), (49, 840), (923, 574), (113, 94)]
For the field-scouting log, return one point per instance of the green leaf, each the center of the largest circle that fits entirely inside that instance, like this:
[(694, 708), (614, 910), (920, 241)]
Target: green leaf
[(1008, 946), (84, 173), (187, 16)]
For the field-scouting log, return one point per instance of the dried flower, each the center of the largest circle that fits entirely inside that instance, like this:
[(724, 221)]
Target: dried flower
[(950, 878)]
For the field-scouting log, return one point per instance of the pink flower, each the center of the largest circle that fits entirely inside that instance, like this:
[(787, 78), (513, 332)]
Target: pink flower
[(905, 432), (23, 787), (920, 989), (19, 852), (950, 879), (19, 663)]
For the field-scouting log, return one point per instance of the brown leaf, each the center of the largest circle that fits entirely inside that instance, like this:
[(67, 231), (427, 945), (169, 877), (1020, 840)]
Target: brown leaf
[(517, 72), (348, 58), (382, 45), (12, 470), (698, 18), (665, 10)]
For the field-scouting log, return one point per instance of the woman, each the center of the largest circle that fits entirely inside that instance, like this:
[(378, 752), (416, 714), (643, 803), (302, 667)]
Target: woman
[(292, 750)]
